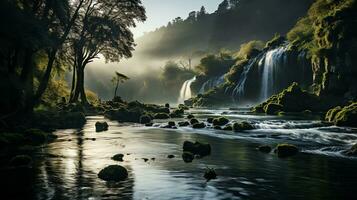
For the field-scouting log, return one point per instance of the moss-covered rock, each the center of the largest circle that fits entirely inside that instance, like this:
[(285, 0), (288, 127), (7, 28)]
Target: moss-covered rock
[(171, 123), (101, 126), (221, 121), (194, 121), (217, 127), (113, 173), (161, 116), (346, 116), (145, 119), (177, 113), (228, 128), (187, 157), (199, 125), (286, 150), (352, 151), (183, 124), (210, 120), (292, 99), (242, 126), (190, 116)]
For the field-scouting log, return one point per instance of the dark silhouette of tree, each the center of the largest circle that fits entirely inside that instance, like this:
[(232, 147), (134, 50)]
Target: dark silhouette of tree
[(118, 78), (223, 7), (103, 29)]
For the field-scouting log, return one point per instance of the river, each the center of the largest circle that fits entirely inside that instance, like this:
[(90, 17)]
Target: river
[(68, 167)]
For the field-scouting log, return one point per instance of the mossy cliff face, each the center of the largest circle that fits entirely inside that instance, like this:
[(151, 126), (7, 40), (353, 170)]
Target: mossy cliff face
[(292, 99)]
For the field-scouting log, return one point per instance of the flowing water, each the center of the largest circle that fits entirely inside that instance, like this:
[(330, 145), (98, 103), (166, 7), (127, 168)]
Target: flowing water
[(185, 92), (68, 167), (211, 83)]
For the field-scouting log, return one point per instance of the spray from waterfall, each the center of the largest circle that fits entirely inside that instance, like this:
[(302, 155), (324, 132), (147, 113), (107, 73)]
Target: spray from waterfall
[(186, 92), (211, 83)]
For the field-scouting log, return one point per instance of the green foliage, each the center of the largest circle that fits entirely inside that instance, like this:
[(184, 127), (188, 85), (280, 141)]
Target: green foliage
[(249, 49), (213, 65)]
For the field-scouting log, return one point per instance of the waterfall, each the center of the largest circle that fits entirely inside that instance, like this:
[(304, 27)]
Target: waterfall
[(211, 83), (272, 61), (185, 92), (239, 90)]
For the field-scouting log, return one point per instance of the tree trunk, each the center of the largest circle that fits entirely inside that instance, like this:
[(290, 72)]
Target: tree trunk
[(73, 87), (27, 80), (82, 91), (116, 89)]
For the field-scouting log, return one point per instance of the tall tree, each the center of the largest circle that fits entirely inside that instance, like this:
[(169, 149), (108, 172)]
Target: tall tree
[(103, 29), (117, 79)]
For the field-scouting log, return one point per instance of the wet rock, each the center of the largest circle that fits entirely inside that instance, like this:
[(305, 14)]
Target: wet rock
[(228, 128), (286, 150), (184, 107), (199, 125), (197, 148), (145, 159), (101, 126), (210, 120), (113, 173), (220, 121), (190, 116), (273, 108), (210, 174), (182, 124), (170, 156), (172, 123), (177, 113), (346, 116), (193, 121), (118, 157), (265, 149), (217, 127), (153, 159), (242, 126), (21, 160), (187, 157), (161, 116), (145, 119), (352, 151), (167, 105)]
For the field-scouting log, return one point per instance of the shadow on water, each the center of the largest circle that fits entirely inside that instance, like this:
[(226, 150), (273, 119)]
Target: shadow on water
[(68, 168)]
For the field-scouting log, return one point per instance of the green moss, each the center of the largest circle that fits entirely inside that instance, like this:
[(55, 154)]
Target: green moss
[(242, 126), (221, 121), (346, 116)]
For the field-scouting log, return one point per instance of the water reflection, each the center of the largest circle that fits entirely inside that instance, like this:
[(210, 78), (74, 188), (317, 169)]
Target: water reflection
[(67, 169)]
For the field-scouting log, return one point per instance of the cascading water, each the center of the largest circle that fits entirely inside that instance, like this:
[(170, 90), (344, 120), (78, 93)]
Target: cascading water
[(211, 83), (186, 92), (272, 62)]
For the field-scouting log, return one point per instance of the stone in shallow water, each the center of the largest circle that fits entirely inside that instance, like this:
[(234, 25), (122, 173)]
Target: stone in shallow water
[(194, 121), (199, 125), (286, 150), (352, 151), (145, 119), (264, 149), (210, 174), (197, 148), (101, 126), (113, 173), (182, 124), (220, 121), (187, 157), (118, 157), (170, 156)]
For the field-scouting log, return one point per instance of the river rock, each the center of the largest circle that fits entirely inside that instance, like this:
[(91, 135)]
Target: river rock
[(101, 126), (210, 174), (118, 157), (221, 121), (242, 126), (286, 150), (228, 128), (170, 156), (190, 116), (264, 149), (346, 116), (197, 148), (172, 123), (352, 151), (113, 173), (210, 120), (161, 116), (145, 119), (194, 121), (199, 125), (187, 157), (182, 124)]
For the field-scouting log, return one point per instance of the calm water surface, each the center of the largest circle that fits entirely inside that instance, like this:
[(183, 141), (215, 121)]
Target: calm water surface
[(68, 168)]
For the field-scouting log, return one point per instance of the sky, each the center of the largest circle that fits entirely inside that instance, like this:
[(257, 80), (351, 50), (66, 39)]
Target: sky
[(160, 12)]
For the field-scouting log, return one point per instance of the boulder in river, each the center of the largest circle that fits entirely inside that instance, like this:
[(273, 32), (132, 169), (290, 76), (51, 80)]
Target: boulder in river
[(187, 157), (149, 124), (199, 125), (172, 123), (145, 119), (113, 173), (118, 157), (217, 127), (197, 148), (101, 126), (210, 174), (177, 113), (228, 128), (286, 150), (264, 149), (221, 121), (346, 116), (242, 126), (170, 156), (190, 116), (193, 121), (161, 116), (182, 124)]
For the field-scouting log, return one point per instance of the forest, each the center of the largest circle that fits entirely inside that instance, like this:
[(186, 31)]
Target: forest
[(254, 100)]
